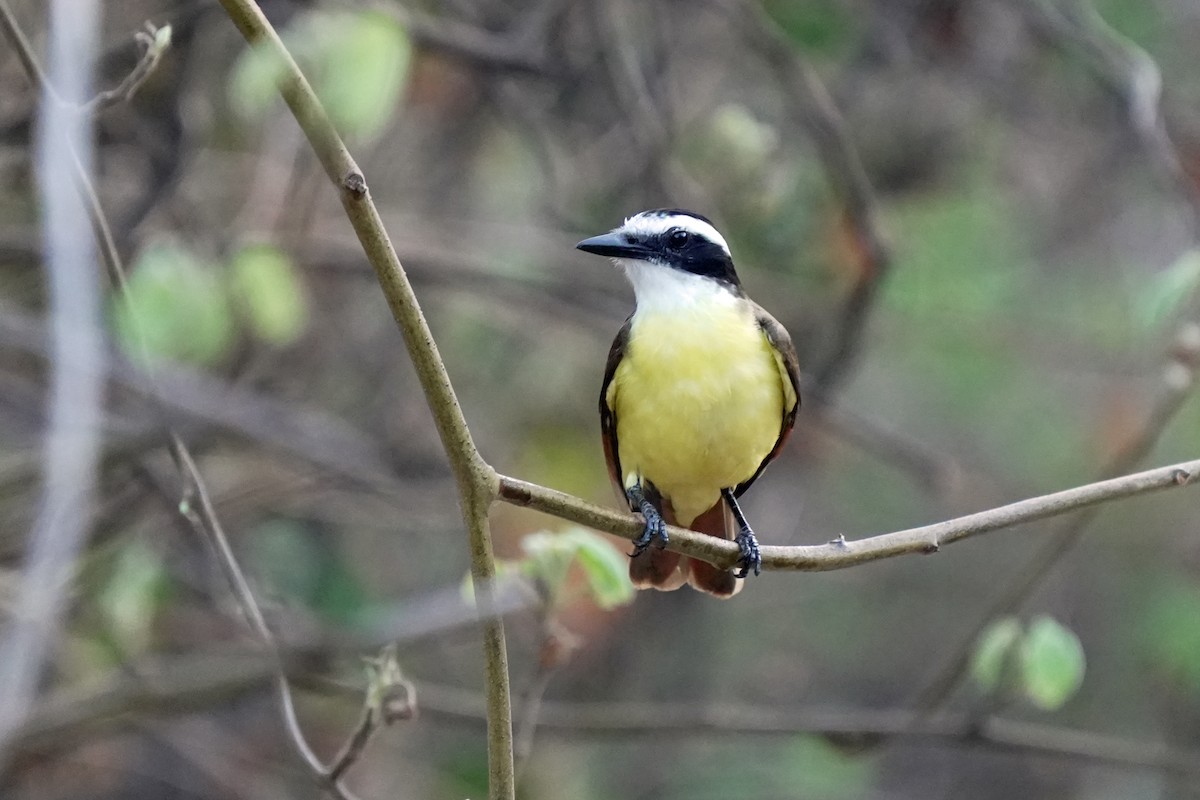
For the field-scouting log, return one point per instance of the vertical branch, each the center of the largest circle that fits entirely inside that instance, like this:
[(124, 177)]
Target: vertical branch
[(478, 484), (72, 440)]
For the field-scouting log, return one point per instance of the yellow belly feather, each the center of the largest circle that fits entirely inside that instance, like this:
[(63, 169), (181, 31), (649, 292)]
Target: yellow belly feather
[(699, 401)]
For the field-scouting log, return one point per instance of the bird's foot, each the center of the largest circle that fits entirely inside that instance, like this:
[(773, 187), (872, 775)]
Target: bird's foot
[(655, 531), (750, 558)]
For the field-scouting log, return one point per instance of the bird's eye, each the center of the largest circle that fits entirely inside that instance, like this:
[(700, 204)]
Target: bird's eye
[(678, 238)]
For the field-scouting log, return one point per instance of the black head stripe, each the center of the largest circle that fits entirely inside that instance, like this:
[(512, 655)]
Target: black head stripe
[(677, 212)]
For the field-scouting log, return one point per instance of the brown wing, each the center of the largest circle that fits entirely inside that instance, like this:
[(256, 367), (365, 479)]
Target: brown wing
[(789, 368), (608, 417)]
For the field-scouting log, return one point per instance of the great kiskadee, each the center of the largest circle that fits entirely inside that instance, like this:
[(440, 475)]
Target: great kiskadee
[(700, 393)]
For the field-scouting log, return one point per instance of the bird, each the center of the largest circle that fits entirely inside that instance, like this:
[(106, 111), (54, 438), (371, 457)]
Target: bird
[(700, 393)]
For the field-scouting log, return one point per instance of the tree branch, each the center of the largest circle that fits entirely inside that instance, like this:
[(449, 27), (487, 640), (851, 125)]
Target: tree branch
[(841, 553), (477, 481), (849, 726)]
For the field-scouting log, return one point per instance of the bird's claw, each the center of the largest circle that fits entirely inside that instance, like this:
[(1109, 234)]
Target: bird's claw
[(654, 532), (749, 558)]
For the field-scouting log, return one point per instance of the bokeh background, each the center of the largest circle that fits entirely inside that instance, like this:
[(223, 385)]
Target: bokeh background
[(1014, 330)]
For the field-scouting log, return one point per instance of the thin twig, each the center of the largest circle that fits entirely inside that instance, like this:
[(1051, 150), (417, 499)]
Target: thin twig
[(198, 509), (841, 553), (154, 42), (477, 481)]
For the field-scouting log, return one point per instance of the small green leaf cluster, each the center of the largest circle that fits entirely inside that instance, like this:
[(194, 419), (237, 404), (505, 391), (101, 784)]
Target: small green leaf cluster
[(547, 562), (549, 557), (1170, 630), (1043, 662), (179, 307), (357, 63)]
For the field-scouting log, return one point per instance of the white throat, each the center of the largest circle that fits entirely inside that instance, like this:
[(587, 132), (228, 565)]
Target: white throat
[(661, 289)]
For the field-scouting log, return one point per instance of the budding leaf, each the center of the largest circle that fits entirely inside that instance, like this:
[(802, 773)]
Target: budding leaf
[(992, 652), (607, 569), (1052, 663), (270, 293), (175, 308)]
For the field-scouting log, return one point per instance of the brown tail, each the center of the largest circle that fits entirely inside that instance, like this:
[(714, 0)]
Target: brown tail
[(717, 521), (667, 571)]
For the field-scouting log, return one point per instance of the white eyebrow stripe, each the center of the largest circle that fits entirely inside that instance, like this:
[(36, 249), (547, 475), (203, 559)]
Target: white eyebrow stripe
[(653, 225)]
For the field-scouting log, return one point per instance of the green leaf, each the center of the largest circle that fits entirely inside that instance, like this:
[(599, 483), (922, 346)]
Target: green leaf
[(817, 27), (287, 559), (270, 292), (549, 556), (815, 768), (1167, 291), (176, 309), (254, 81), (133, 594), (1052, 663), (992, 652), (365, 62), (607, 569), (1171, 633), (357, 63)]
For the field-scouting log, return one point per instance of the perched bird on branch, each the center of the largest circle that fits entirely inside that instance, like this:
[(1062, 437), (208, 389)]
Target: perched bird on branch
[(699, 395)]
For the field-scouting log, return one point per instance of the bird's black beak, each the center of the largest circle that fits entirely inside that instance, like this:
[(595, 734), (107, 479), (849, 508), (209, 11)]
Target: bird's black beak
[(614, 245)]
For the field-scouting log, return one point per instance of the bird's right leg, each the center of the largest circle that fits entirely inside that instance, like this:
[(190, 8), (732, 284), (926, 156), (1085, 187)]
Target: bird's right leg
[(656, 526)]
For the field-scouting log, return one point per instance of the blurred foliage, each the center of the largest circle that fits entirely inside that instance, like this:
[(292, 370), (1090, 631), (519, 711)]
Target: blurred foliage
[(549, 557), (1171, 634), (137, 589), (819, 27), (548, 561), (1040, 268), (804, 766), (269, 292), (357, 62), (177, 308), (1043, 663), (296, 564)]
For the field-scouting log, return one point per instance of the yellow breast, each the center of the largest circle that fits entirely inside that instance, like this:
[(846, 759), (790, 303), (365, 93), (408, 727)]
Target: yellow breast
[(698, 400)]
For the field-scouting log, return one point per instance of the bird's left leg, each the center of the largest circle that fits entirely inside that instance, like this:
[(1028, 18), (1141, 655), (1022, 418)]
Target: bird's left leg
[(750, 558)]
